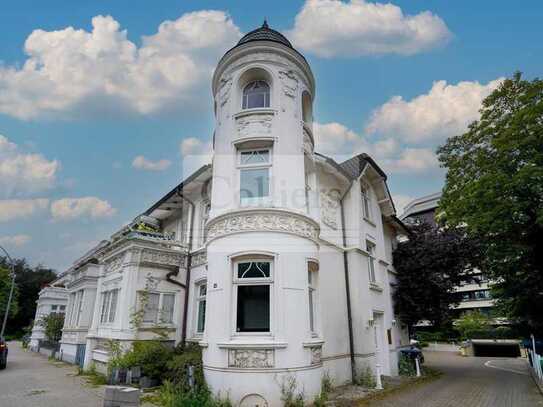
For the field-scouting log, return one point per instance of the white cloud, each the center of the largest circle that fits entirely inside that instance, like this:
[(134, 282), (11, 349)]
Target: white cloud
[(73, 72), (24, 173), (87, 207), (342, 143), (15, 240), (11, 209), (331, 28), (401, 201), (142, 163), (195, 153), (446, 110)]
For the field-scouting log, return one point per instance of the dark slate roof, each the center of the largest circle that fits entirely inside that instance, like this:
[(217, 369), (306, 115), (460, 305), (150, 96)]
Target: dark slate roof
[(354, 166), (265, 33)]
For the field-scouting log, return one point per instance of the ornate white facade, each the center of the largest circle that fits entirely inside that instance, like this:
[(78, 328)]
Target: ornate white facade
[(275, 259)]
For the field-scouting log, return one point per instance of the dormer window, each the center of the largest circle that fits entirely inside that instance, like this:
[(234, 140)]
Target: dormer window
[(256, 94)]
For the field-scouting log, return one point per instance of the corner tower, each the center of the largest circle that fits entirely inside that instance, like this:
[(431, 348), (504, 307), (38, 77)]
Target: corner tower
[(261, 323)]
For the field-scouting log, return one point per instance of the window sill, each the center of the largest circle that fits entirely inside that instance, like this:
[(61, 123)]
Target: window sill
[(313, 342), (258, 110), (246, 344), (376, 287)]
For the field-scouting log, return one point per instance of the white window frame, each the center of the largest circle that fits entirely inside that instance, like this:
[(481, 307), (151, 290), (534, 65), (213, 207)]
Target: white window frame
[(158, 320), (107, 306), (372, 274), (199, 298), (241, 167), (312, 296), (365, 195), (239, 282)]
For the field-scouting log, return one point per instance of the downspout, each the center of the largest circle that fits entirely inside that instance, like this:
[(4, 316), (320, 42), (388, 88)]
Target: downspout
[(189, 264), (347, 285)]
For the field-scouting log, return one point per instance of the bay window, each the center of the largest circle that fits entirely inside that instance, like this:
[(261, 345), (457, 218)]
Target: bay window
[(253, 282), (254, 177), (158, 308)]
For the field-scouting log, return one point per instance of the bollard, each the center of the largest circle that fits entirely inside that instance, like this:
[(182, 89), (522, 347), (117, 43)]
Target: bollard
[(378, 383), (417, 365)]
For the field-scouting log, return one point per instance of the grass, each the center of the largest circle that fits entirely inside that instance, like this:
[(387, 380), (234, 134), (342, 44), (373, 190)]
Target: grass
[(92, 377), (429, 376)]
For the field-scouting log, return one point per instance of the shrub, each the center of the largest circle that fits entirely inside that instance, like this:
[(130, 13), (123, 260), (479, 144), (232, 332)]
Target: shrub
[(326, 389), (170, 395), (150, 356), (406, 367), (288, 393), (177, 368), (366, 377)]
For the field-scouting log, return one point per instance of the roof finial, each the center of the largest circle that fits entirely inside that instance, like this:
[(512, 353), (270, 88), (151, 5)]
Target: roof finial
[(265, 25)]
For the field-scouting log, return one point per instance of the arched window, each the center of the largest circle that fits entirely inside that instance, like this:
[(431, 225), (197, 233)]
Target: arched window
[(256, 94)]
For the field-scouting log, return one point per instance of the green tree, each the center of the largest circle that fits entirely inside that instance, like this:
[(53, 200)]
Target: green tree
[(29, 281), (5, 287), (494, 190), (470, 322), (52, 324), (429, 265)]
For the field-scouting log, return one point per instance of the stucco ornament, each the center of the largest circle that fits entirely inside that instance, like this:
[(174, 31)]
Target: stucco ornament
[(199, 258), (316, 355), (151, 281), (251, 358), (290, 82), (254, 124), (308, 143), (224, 90), (264, 220), (115, 263), (329, 208), (162, 258)]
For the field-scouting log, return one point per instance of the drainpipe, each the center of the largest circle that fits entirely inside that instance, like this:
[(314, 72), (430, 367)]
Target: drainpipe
[(347, 285), (175, 272), (189, 264)]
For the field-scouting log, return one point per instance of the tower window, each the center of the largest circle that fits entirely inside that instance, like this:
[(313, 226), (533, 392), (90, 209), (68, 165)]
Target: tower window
[(256, 94)]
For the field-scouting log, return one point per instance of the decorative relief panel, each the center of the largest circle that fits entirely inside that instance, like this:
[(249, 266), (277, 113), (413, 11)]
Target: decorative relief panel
[(114, 264), (161, 258), (329, 208), (262, 221), (308, 143), (254, 124), (224, 90), (199, 258), (290, 82), (316, 355), (251, 358)]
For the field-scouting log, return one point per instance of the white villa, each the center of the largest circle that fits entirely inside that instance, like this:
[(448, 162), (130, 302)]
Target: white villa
[(275, 259), (52, 299)]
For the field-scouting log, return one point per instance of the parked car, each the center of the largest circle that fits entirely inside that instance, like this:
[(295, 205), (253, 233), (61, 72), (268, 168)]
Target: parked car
[(3, 353), (414, 352)]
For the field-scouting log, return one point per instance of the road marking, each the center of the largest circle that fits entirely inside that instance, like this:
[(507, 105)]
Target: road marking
[(487, 364)]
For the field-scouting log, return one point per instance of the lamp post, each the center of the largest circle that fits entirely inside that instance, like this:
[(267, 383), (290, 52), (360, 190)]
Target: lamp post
[(10, 291)]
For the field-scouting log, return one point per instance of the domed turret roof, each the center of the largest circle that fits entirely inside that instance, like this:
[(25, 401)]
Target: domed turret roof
[(265, 33)]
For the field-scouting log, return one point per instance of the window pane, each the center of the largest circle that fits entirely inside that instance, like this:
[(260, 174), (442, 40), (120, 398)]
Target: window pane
[(201, 315), (253, 308), (254, 183), (311, 311), (167, 308), (256, 94), (151, 308), (254, 157), (105, 301), (254, 270), (113, 305), (203, 290)]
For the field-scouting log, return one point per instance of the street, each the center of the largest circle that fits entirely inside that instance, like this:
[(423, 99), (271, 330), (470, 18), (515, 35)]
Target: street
[(471, 382), (30, 380)]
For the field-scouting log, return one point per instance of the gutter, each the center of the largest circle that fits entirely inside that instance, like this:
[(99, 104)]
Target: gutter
[(347, 285), (188, 267)]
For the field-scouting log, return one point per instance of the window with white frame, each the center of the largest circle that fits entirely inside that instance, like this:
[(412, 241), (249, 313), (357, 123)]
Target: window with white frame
[(109, 306), (370, 248), (366, 202), (78, 307), (158, 308), (312, 269), (253, 285), (201, 294), (256, 94), (254, 166)]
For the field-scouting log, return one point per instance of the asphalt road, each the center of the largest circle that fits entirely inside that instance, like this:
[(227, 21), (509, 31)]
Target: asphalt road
[(471, 382), (30, 380)]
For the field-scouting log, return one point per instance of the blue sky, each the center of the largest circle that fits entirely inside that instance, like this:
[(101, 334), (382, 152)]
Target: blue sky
[(76, 116)]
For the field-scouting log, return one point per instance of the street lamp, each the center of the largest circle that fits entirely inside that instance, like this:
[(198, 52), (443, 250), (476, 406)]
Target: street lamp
[(10, 291)]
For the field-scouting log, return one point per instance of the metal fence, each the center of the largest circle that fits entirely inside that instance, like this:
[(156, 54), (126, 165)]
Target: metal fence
[(536, 363)]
